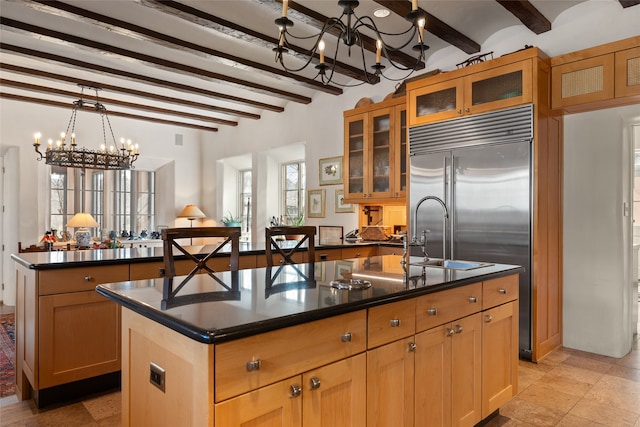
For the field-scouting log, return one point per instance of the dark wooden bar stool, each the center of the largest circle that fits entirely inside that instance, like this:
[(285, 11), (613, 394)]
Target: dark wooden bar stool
[(272, 247)]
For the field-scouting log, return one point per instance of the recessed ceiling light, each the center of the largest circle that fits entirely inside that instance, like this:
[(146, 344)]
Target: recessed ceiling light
[(381, 13)]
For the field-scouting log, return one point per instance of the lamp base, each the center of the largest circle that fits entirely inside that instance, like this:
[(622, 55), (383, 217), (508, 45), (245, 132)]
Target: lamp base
[(83, 238)]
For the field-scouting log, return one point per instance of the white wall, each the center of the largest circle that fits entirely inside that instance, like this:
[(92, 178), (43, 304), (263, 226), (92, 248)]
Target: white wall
[(597, 282)]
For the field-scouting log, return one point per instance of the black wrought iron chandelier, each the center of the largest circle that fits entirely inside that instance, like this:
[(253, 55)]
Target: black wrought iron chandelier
[(69, 155), (350, 34)]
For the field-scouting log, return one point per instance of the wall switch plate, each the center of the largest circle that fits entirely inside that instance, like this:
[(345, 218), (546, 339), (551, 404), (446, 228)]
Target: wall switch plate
[(157, 376)]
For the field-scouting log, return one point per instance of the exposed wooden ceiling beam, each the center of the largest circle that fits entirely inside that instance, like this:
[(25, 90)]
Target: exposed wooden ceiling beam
[(135, 77), (527, 14), (110, 101), (163, 39), (629, 3), (111, 113), (434, 26), (161, 63), (235, 31), (118, 89), (297, 12)]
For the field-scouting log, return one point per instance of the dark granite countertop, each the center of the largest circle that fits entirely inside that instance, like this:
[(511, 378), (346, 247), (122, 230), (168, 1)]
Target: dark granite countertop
[(248, 302), (94, 257)]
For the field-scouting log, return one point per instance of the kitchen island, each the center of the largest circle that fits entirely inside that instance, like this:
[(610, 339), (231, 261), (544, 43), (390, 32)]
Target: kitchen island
[(282, 346), (68, 336)]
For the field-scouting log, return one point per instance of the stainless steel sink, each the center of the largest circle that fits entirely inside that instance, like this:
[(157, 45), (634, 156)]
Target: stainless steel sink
[(452, 264)]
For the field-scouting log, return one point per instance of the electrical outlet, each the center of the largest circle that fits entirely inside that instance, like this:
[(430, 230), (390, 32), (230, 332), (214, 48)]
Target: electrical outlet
[(156, 376)]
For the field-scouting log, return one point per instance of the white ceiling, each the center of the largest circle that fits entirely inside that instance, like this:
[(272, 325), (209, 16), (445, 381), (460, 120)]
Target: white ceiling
[(132, 58)]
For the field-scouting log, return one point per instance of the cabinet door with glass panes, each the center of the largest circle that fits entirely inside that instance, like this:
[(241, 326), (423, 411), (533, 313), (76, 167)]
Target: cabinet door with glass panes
[(369, 155), (355, 141)]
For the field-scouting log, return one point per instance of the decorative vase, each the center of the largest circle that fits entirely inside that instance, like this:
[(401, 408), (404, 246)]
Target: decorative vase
[(83, 237)]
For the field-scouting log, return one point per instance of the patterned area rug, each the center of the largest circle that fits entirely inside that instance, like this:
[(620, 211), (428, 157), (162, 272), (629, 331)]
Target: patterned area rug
[(7, 354)]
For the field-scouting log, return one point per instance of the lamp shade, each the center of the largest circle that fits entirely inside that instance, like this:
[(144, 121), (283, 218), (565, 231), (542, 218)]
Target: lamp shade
[(84, 220), (191, 212)]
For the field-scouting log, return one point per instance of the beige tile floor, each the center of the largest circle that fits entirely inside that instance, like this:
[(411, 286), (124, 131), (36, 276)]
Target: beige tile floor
[(568, 388)]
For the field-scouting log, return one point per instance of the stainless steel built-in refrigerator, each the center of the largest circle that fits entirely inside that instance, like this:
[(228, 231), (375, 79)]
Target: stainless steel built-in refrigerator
[(480, 167)]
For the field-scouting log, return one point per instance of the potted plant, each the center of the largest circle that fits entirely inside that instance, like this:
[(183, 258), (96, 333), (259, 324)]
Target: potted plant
[(231, 221), (297, 221)]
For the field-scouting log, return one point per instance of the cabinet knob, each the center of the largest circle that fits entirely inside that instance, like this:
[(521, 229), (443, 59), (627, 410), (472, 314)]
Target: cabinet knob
[(254, 365), (88, 278), (394, 323), (314, 383), (459, 111), (473, 300), (432, 311), (502, 291), (488, 318), (450, 332), (295, 390), (346, 337), (466, 110), (458, 329), (412, 347)]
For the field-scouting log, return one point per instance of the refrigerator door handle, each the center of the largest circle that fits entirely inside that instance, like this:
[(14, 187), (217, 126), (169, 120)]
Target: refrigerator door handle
[(451, 205)]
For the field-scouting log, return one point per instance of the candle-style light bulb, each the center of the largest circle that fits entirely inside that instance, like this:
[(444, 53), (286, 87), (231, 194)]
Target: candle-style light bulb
[(378, 51), (321, 49), (49, 144), (37, 136), (62, 136), (285, 6), (122, 142), (137, 150), (102, 147), (58, 143), (421, 30)]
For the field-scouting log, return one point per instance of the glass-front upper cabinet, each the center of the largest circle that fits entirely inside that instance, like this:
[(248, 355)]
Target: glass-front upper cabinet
[(354, 155), (375, 136), (476, 92)]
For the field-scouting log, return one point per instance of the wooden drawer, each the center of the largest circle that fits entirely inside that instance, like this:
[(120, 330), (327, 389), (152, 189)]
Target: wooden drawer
[(499, 291), (391, 322), (328, 254), (298, 258), (359, 252), (80, 279), (390, 250), (442, 307), (279, 354)]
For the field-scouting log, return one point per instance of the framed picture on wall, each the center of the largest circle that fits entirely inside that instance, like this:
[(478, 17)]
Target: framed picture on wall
[(330, 170), (316, 203), (340, 205)]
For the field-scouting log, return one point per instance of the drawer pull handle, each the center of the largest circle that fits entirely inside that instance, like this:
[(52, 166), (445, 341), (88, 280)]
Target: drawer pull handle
[(473, 300), (502, 291), (394, 323), (412, 347), (458, 329), (346, 337), (432, 311), (295, 390), (254, 365), (314, 383), (450, 332), (88, 278), (488, 318)]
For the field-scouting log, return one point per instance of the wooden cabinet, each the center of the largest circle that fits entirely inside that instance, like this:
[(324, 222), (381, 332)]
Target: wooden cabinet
[(599, 77), (627, 72), (65, 331), (359, 252), (79, 337), (449, 374), (331, 395), (390, 382), (499, 356), (490, 86), (375, 152)]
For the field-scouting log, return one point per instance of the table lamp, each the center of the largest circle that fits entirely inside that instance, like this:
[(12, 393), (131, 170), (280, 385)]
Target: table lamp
[(82, 221), (191, 212)]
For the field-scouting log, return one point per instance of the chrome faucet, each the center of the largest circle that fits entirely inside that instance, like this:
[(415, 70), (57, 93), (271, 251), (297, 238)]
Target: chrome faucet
[(414, 239)]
